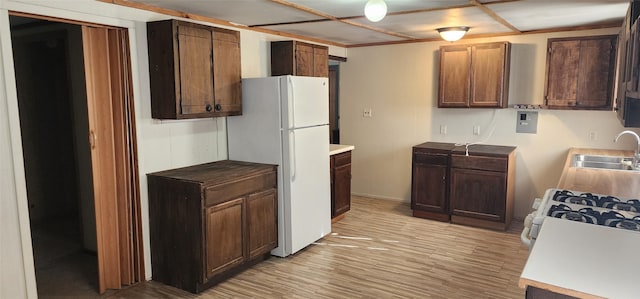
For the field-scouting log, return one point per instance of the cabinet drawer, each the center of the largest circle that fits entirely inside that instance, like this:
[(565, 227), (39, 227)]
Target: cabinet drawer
[(342, 159), (235, 189), (435, 159), (479, 162)]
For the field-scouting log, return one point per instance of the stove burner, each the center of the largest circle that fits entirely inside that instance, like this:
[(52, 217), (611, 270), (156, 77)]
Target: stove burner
[(586, 199), (610, 202), (586, 215), (630, 225), (602, 201), (574, 216), (615, 219)]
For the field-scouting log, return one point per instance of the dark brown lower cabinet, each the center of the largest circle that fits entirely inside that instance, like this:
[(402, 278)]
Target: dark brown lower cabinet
[(429, 187), (211, 221), (482, 193), (475, 189), (340, 183)]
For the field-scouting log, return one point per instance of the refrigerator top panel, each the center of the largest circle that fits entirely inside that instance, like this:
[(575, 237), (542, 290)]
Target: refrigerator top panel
[(305, 101)]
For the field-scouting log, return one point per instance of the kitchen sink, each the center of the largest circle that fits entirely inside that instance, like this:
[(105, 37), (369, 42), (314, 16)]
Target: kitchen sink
[(602, 162)]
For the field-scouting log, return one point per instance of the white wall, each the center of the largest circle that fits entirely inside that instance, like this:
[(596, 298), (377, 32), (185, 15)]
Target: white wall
[(162, 144), (399, 83)]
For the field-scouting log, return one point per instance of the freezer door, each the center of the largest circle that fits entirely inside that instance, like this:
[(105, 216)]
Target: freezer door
[(255, 135), (308, 202), (306, 101)]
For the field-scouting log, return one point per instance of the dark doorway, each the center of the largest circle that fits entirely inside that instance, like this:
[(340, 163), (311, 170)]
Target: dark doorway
[(53, 120), (334, 101)]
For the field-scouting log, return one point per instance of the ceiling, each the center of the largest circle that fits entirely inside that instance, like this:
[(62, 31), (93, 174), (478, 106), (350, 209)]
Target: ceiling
[(341, 22)]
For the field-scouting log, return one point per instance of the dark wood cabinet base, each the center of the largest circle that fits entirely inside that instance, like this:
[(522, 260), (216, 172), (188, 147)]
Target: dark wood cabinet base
[(474, 188), (228, 274), (337, 218), (537, 293), (210, 221), (479, 222), (431, 215), (340, 170)]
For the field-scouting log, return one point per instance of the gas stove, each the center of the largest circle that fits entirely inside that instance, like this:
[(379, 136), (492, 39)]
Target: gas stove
[(582, 207)]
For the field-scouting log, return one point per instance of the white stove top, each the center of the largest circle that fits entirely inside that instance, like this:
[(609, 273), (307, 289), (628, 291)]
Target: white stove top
[(582, 207)]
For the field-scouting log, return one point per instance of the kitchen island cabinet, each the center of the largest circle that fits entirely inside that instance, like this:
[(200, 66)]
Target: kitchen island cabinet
[(194, 70), (475, 189), (340, 164), (210, 221)]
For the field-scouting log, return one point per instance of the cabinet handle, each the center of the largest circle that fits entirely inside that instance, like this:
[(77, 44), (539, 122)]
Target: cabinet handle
[(208, 108), (218, 107), (92, 139)]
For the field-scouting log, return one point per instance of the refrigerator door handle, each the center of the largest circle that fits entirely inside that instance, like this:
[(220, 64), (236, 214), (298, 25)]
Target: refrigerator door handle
[(292, 152)]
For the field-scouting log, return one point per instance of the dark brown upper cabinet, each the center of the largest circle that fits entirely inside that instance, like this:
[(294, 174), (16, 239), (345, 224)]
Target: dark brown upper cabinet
[(299, 59), (580, 72), (194, 70), (627, 104), (475, 76)]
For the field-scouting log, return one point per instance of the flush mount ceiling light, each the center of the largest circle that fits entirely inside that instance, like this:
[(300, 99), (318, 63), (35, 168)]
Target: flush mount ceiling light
[(452, 34), (375, 10)]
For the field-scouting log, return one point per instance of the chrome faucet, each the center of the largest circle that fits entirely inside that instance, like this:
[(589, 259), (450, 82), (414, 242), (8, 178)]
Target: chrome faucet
[(636, 156)]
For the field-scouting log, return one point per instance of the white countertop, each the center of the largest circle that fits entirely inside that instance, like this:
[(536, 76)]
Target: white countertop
[(339, 148), (584, 260)]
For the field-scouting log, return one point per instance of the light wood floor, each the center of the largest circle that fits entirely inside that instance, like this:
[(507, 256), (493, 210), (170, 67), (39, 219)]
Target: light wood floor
[(379, 251)]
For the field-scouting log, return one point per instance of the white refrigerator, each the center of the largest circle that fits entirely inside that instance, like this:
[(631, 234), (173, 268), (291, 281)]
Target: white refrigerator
[(285, 121)]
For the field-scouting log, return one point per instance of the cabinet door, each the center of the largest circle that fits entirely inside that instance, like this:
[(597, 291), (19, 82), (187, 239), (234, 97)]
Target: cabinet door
[(478, 194), (304, 59), (224, 239), (227, 72), (633, 49), (332, 179), (489, 75), (453, 89), (623, 43), (320, 62), (580, 72), (595, 81), (429, 188), (195, 70), (342, 185), (262, 220), (562, 73)]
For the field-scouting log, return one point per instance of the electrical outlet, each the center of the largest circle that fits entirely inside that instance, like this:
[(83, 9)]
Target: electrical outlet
[(476, 130), (443, 130), (367, 112), (593, 135)]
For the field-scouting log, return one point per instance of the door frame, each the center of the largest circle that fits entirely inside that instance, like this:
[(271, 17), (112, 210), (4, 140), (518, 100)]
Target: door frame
[(131, 148)]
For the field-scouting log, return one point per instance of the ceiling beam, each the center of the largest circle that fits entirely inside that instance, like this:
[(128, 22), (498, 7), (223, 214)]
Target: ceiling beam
[(495, 16), (195, 17), (333, 18), (490, 35)]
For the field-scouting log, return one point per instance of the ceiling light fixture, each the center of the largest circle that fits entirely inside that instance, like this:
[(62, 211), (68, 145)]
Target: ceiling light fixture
[(452, 34), (375, 10)]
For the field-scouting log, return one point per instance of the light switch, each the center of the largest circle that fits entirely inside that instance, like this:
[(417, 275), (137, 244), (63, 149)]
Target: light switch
[(527, 122)]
